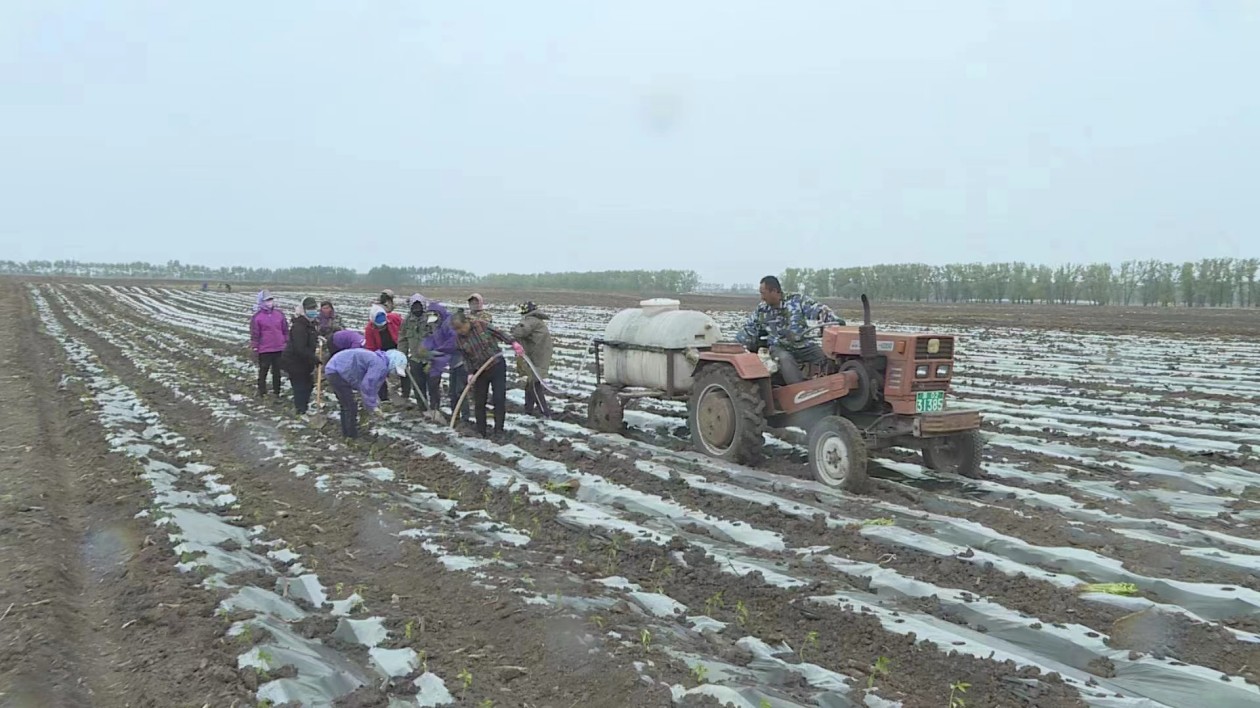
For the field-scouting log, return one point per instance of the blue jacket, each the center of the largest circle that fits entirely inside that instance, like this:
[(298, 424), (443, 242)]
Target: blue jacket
[(363, 369), (786, 325)]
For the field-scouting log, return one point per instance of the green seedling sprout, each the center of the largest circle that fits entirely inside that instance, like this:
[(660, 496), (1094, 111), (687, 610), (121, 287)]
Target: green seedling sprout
[(247, 635), (409, 630), (487, 703), (599, 621), (645, 638), (956, 689), (424, 661), (741, 613), (714, 603), (765, 703), (880, 521), (811, 642), (338, 588), (880, 669), (700, 673), (465, 677), (1128, 589)]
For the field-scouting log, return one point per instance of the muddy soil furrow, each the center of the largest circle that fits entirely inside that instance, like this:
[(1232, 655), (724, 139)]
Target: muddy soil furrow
[(1038, 523), (349, 541), (96, 612)]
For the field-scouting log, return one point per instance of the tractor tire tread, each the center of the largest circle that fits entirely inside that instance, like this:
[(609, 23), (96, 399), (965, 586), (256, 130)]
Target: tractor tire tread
[(857, 481), (749, 448)]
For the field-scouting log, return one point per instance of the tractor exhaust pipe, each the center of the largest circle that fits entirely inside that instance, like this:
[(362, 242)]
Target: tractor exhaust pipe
[(866, 332)]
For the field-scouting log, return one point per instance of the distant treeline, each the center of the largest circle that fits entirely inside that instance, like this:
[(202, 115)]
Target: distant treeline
[(1212, 282), (642, 281)]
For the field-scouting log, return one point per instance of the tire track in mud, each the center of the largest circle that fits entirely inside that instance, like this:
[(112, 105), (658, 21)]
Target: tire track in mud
[(399, 578)]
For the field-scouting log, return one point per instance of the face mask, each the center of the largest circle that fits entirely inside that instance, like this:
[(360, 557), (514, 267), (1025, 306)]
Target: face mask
[(312, 314), (432, 317)]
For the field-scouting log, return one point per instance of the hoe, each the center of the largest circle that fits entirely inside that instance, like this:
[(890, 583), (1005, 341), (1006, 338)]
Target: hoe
[(872, 391)]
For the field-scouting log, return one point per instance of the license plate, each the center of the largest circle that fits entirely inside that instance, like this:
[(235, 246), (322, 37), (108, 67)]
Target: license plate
[(929, 401)]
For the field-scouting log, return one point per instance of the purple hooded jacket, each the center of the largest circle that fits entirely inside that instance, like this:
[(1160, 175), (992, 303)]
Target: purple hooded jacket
[(345, 339), (363, 369), (442, 342), (268, 329)]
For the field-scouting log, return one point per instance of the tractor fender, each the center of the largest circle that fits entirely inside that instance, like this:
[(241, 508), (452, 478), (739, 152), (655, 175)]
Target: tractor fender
[(748, 366)]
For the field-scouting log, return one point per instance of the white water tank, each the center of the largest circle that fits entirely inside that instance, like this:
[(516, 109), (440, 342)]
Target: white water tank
[(658, 324)]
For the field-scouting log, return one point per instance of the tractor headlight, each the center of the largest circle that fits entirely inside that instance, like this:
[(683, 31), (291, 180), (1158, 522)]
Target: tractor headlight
[(921, 372), (942, 371)]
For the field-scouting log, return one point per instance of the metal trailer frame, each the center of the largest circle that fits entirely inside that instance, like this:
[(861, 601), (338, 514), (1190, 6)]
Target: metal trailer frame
[(669, 391)]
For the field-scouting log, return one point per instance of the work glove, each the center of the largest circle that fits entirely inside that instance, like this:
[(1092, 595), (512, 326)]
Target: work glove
[(518, 348)]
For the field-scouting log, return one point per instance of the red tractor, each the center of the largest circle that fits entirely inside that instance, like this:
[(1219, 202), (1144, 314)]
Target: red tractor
[(870, 392)]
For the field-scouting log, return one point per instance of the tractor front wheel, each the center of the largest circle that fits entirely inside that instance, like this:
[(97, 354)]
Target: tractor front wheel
[(726, 415), (837, 454), (957, 454), (604, 411)]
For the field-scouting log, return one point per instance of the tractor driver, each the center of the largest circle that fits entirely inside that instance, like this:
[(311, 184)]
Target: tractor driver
[(784, 322)]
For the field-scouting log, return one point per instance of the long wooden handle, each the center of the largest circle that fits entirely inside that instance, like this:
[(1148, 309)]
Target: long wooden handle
[(455, 410), (319, 375)]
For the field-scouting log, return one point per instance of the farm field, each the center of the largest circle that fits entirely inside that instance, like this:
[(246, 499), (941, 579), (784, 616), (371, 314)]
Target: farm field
[(168, 539)]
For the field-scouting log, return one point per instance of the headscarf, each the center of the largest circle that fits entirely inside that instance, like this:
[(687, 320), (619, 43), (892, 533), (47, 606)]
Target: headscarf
[(263, 296)]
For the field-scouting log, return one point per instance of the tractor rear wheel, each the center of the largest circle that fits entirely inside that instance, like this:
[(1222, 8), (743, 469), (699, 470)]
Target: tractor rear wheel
[(956, 454), (726, 415), (837, 454), (604, 411)]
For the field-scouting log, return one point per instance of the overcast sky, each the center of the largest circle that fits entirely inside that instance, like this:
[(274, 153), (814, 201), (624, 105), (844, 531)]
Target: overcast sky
[(732, 138)]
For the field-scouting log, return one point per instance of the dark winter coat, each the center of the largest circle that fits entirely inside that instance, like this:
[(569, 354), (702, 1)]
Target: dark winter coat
[(533, 334), (299, 357)]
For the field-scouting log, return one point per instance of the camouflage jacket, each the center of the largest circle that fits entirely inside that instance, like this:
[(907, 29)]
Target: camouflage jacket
[(786, 325)]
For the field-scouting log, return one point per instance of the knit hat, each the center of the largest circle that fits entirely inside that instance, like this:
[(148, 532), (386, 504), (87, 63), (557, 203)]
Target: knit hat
[(308, 303)]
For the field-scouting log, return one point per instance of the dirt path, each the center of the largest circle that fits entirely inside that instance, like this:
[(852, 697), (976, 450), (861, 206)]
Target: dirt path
[(94, 612)]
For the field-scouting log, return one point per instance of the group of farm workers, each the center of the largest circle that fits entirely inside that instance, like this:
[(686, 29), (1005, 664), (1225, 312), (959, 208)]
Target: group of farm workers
[(419, 348)]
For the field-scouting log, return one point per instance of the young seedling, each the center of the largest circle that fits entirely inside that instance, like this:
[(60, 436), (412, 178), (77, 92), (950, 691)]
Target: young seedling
[(264, 658), (645, 638), (409, 630), (880, 669), (487, 703), (881, 521), (247, 635), (338, 588), (714, 603), (465, 678), (811, 643), (956, 689), (765, 703), (700, 673), (424, 661), (741, 613)]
